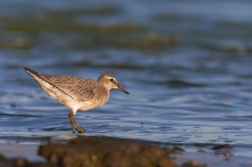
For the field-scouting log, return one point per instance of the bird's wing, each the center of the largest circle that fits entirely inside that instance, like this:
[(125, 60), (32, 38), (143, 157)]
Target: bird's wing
[(78, 88)]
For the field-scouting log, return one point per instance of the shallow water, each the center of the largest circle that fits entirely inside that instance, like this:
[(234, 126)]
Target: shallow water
[(187, 66)]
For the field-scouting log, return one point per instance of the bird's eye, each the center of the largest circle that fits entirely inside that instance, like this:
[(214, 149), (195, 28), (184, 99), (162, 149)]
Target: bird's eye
[(111, 80)]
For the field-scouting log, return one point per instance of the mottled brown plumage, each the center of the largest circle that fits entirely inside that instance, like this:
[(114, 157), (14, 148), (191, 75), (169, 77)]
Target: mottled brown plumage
[(77, 93)]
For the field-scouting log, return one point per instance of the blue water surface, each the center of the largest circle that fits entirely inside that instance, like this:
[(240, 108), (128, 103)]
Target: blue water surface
[(186, 64)]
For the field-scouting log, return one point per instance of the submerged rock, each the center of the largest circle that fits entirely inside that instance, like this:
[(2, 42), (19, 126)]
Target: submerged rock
[(222, 146), (106, 152), (21, 162)]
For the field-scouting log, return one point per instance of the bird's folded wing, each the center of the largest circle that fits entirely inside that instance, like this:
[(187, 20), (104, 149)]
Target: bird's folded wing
[(78, 88)]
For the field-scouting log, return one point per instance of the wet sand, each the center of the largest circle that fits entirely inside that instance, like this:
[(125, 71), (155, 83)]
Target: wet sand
[(26, 151)]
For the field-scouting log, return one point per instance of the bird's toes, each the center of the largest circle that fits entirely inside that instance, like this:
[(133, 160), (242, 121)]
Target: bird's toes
[(81, 129)]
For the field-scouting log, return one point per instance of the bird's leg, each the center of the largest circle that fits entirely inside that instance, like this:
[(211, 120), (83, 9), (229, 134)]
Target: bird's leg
[(71, 117), (72, 121), (81, 129)]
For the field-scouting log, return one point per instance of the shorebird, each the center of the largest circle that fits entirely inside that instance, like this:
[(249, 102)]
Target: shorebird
[(77, 93)]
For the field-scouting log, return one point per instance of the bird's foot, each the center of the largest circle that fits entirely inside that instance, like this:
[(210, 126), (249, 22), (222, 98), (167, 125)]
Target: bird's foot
[(81, 129)]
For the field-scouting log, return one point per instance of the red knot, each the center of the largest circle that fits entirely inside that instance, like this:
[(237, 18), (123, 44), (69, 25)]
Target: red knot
[(77, 93)]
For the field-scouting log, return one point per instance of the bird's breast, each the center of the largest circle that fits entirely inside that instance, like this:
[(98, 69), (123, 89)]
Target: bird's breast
[(100, 98)]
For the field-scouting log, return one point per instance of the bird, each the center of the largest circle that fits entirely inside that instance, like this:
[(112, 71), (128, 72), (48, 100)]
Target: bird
[(77, 93)]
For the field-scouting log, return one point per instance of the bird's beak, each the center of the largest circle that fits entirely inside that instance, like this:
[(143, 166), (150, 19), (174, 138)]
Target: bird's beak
[(122, 89)]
